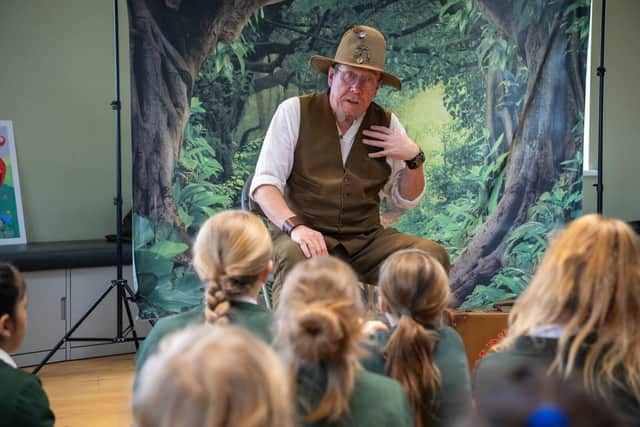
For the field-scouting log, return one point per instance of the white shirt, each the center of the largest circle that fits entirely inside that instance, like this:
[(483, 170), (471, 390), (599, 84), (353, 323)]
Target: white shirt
[(4, 356), (552, 330), (245, 298), (276, 156)]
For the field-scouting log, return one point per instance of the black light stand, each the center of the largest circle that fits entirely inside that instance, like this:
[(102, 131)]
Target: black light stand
[(601, 70), (124, 292)]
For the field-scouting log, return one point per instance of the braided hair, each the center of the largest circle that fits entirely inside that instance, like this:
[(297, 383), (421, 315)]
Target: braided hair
[(230, 254)]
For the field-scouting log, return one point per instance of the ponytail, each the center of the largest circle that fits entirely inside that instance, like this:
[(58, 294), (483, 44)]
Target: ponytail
[(319, 325), (409, 360), (415, 286), (320, 336)]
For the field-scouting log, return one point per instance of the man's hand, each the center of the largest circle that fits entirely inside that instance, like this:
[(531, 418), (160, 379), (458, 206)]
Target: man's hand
[(311, 241), (394, 144)]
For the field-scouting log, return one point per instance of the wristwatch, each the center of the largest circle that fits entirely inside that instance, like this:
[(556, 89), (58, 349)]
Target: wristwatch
[(290, 223), (416, 161)]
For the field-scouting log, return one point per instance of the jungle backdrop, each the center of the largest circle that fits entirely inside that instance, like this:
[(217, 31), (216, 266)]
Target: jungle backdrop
[(493, 91)]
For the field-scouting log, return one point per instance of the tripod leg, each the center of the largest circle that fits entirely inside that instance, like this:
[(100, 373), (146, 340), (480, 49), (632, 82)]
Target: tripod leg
[(131, 325), (133, 297), (72, 330)]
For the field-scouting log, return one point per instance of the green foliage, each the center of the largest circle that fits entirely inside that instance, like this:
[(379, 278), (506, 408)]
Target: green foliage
[(527, 243), (225, 53), (196, 196), (528, 11), (461, 197), (580, 23), (448, 44), (165, 286)]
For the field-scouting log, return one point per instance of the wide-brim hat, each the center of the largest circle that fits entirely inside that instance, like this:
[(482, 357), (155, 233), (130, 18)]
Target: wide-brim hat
[(362, 47)]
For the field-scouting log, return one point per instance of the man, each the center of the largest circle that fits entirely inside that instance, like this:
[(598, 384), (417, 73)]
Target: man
[(327, 157)]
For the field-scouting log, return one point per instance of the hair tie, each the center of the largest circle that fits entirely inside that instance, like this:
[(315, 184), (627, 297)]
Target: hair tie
[(548, 415), (405, 312)]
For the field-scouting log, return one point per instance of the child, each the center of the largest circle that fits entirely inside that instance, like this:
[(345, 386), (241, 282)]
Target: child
[(318, 328), (524, 396), (423, 354), (232, 255), (212, 376), (581, 315), (23, 401)]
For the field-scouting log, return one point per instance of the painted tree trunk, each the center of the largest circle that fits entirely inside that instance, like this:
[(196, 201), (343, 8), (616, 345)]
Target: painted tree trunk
[(170, 41), (542, 140)]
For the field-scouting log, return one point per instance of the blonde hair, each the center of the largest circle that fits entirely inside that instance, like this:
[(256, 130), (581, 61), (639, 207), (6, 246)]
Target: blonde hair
[(230, 253), (589, 282), (218, 376), (415, 287), (319, 323)]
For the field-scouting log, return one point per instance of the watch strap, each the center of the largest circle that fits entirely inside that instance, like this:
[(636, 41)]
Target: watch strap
[(416, 161), (290, 223)]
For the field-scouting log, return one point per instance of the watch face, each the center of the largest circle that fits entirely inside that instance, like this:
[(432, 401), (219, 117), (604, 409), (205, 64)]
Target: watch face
[(416, 161)]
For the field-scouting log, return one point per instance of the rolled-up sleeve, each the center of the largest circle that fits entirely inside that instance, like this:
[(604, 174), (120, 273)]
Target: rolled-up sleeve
[(392, 188), (276, 156)]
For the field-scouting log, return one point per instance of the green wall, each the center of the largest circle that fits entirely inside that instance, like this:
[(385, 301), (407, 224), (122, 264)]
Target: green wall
[(621, 124), (56, 83)]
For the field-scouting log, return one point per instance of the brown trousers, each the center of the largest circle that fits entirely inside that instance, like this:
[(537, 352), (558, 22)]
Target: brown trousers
[(364, 252)]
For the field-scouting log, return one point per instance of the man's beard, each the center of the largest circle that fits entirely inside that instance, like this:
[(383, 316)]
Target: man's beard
[(342, 117)]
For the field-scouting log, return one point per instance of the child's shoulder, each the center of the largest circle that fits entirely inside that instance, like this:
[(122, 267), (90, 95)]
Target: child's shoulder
[(26, 400)]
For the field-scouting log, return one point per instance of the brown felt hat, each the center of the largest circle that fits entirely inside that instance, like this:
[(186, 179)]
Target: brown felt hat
[(362, 47)]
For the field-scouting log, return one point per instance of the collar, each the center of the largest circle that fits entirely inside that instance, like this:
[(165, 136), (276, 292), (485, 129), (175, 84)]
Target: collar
[(246, 298), (350, 134), (4, 356), (393, 319), (553, 330)]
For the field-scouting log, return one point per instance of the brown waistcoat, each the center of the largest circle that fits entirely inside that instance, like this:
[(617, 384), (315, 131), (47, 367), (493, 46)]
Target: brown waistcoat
[(332, 198)]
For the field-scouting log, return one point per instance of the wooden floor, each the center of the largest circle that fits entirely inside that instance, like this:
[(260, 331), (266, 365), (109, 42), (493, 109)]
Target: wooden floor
[(91, 392)]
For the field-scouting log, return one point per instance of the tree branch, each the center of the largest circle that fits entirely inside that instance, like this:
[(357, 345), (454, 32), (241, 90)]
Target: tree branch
[(296, 30), (499, 12), (265, 67), (578, 76), (419, 26), (244, 139), (280, 77)]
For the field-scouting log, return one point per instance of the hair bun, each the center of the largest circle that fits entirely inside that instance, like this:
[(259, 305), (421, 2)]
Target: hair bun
[(320, 334)]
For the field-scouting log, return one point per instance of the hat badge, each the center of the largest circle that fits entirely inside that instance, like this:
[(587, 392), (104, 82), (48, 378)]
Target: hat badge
[(361, 54)]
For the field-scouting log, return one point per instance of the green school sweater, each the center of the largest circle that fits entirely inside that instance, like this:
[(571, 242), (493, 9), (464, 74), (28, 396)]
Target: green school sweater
[(255, 318), (454, 397), (376, 401), (527, 351), (23, 401)]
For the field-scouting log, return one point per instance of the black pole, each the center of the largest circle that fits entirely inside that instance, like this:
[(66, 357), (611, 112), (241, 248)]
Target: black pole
[(116, 106), (123, 291), (601, 71)]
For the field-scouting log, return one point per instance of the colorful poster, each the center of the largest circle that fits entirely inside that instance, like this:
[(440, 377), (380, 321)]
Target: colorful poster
[(12, 230), (493, 92)]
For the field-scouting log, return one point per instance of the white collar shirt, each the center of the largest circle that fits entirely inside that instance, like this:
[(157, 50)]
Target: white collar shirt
[(4, 356), (277, 154)]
